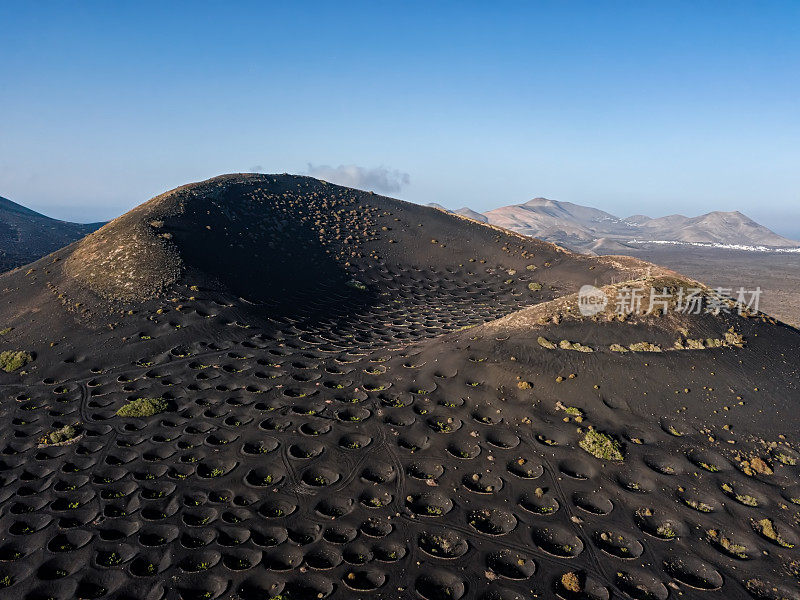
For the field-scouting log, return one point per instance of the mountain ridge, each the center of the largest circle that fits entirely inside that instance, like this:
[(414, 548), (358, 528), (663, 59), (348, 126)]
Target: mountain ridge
[(585, 228), (26, 235)]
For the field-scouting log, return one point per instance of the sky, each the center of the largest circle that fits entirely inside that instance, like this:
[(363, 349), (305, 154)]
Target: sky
[(631, 107)]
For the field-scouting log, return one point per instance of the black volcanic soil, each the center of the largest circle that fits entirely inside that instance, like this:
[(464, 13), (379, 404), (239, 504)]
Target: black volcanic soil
[(359, 406)]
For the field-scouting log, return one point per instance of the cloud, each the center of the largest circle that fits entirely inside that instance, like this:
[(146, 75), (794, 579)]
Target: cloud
[(380, 179), (255, 169)]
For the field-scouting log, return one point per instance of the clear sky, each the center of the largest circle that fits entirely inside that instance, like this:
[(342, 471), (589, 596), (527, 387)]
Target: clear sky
[(632, 107)]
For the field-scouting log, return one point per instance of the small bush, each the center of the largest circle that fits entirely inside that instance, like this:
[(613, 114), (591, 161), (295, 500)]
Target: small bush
[(64, 434), (745, 499), (760, 466), (357, 285), (571, 582), (535, 286), (143, 407), (577, 346), (731, 547), (601, 445), (734, 339), (767, 528), (11, 360), (645, 347), (545, 343), (785, 459)]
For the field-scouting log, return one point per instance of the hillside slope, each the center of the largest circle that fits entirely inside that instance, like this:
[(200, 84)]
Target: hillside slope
[(26, 235)]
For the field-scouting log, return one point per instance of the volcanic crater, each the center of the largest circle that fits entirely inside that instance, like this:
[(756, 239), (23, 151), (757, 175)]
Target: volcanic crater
[(273, 387)]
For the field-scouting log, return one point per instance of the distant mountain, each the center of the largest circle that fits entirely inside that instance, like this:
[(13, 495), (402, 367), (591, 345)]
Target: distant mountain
[(464, 212), (591, 230), (715, 227), (564, 223), (471, 214), (26, 235)]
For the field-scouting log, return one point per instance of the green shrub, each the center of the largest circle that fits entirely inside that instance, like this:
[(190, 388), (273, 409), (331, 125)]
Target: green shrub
[(601, 445), (357, 285), (734, 339), (645, 347), (11, 360), (571, 582), (535, 286), (143, 407), (62, 435), (577, 346), (727, 544), (767, 528), (545, 343)]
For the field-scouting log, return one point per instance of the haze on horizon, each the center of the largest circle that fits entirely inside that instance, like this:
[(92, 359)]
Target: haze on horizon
[(654, 108)]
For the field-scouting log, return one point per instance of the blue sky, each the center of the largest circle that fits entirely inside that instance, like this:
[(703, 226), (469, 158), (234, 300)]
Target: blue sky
[(632, 107)]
